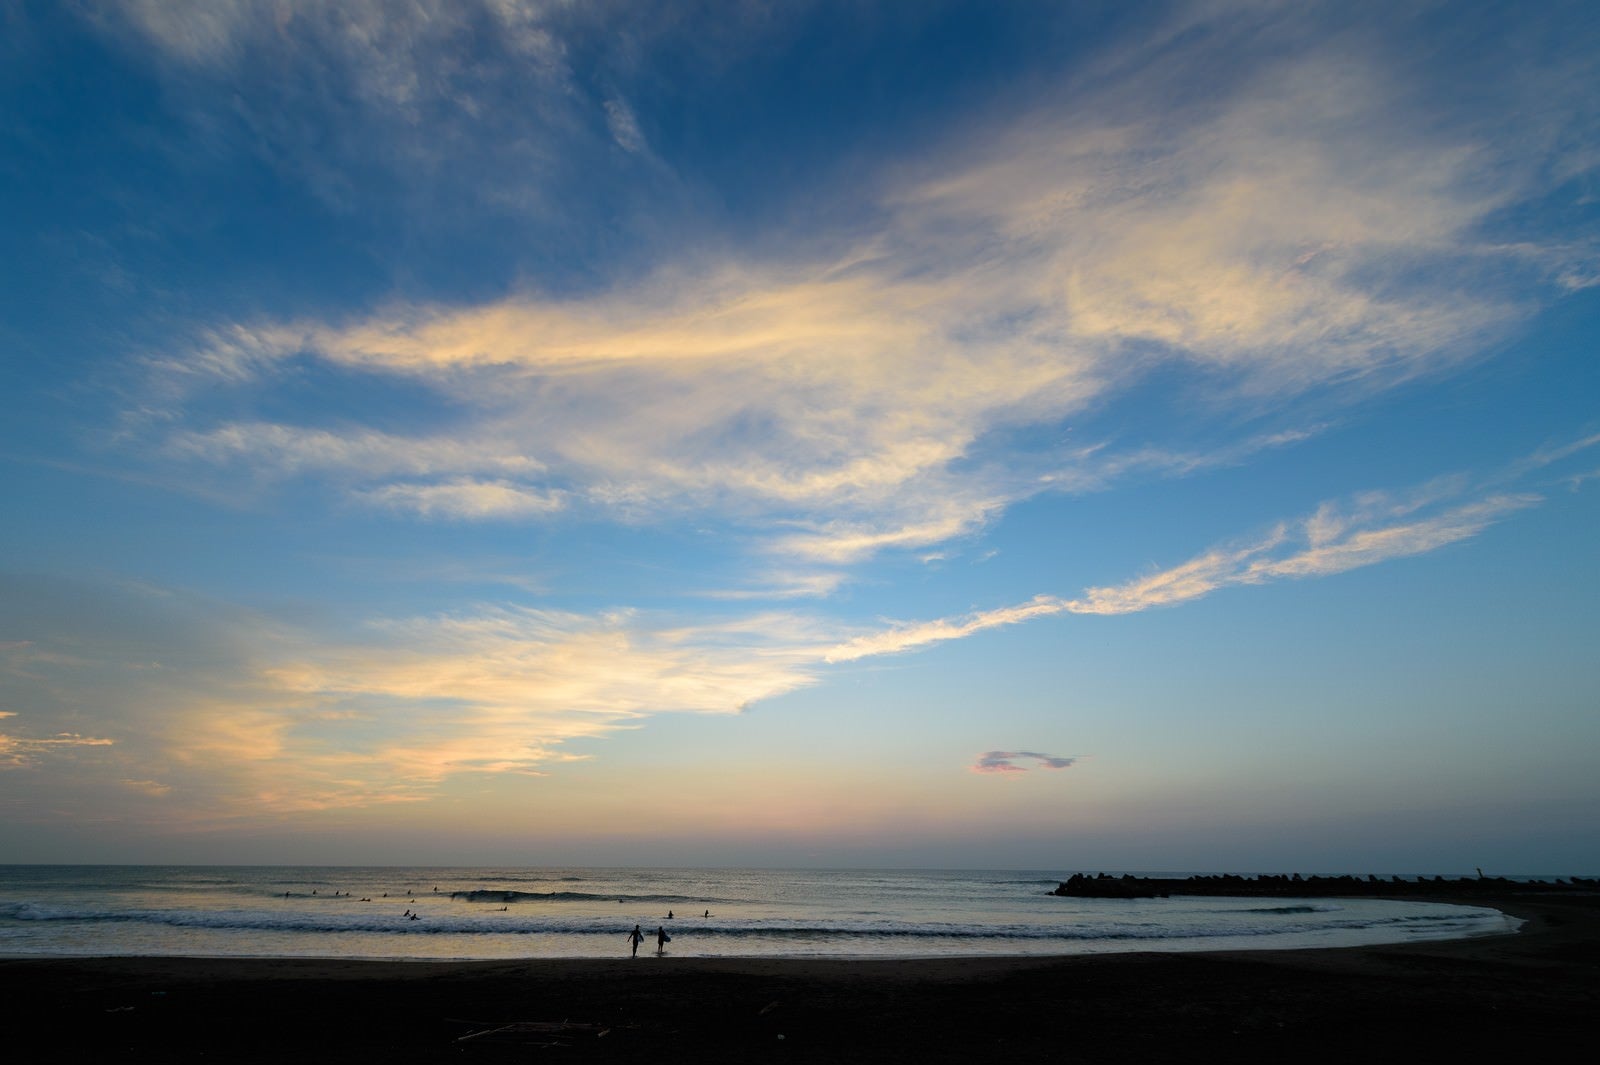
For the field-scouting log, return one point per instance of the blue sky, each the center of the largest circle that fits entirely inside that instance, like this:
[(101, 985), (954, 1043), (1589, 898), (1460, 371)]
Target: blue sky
[(1063, 436)]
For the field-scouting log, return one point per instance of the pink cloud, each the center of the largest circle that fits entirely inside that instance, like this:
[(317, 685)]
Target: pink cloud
[(1006, 762)]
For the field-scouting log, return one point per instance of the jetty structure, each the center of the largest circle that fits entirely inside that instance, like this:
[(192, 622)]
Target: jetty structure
[(1128, 886)]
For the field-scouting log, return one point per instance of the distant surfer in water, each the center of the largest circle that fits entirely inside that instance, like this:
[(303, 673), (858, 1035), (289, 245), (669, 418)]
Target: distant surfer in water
[(636, 937)]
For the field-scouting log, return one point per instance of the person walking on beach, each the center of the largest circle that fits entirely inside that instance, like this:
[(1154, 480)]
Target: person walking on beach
[(661, 939), (636, 937)]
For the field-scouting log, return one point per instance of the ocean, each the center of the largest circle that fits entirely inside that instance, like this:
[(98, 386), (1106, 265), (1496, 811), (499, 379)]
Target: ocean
[(498, 913)]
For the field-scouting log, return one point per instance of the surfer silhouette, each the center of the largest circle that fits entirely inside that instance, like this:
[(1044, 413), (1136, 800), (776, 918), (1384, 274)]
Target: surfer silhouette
[(636, 937), (662, 939)]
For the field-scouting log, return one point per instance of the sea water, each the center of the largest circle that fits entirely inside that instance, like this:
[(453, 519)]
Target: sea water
[(498, 913)]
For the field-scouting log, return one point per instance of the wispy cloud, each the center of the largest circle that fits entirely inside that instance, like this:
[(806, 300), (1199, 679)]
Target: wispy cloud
[(152, 788), (785, 585), (467, 499), (287, 450), (388, 51), (843, 542), (624, 126), (21, 752), (920, 634), (1328, 542), (1010, 762), (329, 92), (502, 690), (269, 718), (1277, 233), (1369, 529), (1553, 453), (244, 716), (1111, 467)]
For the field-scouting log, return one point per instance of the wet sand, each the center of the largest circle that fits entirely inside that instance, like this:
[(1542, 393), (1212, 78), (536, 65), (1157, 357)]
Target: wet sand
[(1534, 993)]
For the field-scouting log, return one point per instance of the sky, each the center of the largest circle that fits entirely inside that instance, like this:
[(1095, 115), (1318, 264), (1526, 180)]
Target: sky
[(1067, 436)]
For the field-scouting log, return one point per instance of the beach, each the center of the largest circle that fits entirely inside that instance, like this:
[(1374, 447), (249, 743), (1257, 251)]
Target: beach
[(1531, 993)]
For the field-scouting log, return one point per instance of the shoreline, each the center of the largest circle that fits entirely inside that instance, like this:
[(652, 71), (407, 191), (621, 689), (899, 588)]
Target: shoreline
[(1207, 944), (1515, 992)]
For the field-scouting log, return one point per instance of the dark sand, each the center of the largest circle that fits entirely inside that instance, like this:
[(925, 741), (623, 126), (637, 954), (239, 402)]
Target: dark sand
[(1534, 995)]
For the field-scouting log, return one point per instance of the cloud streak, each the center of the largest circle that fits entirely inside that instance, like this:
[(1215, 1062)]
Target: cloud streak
[(467, 499), (1328, 542), (501, 690), (920, 634), (1373, 528), (21, 752), (280, 721), (1277, 234), (1005, 762), (331, 95)]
